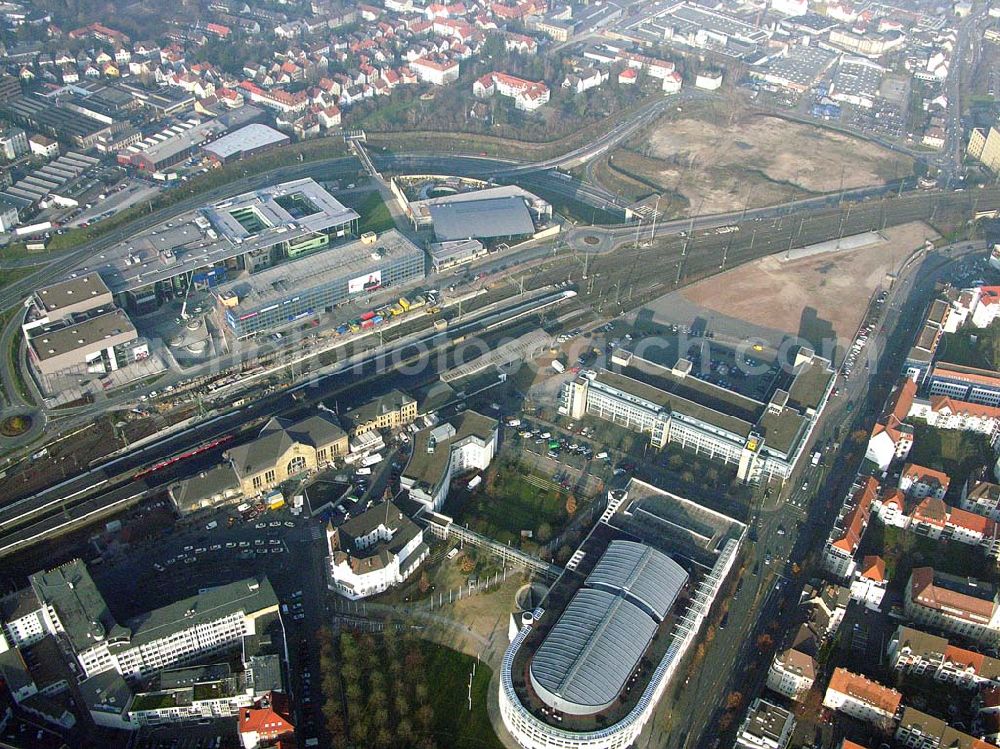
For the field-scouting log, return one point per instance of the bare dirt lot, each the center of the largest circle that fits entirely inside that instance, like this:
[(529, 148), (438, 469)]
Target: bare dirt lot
[(834, 286), (713, 166)]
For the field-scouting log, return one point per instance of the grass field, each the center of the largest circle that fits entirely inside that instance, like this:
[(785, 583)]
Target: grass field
[(12, 275), (511, 505), (960, 348), (955, 452), (454, 725), (374, 212)]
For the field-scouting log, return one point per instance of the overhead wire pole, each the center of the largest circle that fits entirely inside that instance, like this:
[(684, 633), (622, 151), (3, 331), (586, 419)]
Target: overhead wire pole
[(656, 212)]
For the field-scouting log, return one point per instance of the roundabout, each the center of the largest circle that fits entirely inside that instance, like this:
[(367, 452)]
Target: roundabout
[(15, 425)]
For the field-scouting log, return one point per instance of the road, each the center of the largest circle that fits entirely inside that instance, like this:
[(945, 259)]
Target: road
[(795, 526)]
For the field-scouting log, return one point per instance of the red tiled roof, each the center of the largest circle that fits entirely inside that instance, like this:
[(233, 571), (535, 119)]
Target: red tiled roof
[(271, 718), (925, 593), (964, 658), (971, 521), (944, 403), (873, 567), (857, 518), (865, 690), (926, 475)]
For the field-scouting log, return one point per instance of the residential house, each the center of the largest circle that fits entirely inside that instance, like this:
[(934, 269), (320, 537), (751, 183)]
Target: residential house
[(268, 721), (891, 437), (919, 481), (845, 538), (918, 730), (389, 411), (870, 582), (913, 651)]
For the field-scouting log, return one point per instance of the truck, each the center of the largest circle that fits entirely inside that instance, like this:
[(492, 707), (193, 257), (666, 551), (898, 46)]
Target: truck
[(370, 460), (815, 458), (368, 324), (243, 507), (275, 500), (474, 482), (23, 231), (367, 315), (366, 471), (404, 303), (212, 526), (558, 366)]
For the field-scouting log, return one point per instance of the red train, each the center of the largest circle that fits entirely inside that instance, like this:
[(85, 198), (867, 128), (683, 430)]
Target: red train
[(182, 456)]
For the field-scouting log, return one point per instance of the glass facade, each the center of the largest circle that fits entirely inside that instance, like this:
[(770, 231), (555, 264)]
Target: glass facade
[(319, 295)]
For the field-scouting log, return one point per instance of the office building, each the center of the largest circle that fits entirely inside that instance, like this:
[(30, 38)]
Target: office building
[(465, 443), (763, 440), (307, 287), (65, 603), (374, 551), (969, 384)]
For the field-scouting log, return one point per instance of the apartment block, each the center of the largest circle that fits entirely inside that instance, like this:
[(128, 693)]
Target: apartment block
[(913, 651), (964, 606), (862, 698)]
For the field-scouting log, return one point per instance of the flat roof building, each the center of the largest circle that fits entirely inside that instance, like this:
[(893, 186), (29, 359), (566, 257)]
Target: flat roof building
[(586, 669), (73, 296), (767, 726), (317, 283), (246, 141), (70, 607), (482, 219), (103, 342), (763, 440), (249, 232)]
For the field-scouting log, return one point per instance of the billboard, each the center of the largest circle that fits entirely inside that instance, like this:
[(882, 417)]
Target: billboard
[(365, 283)]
